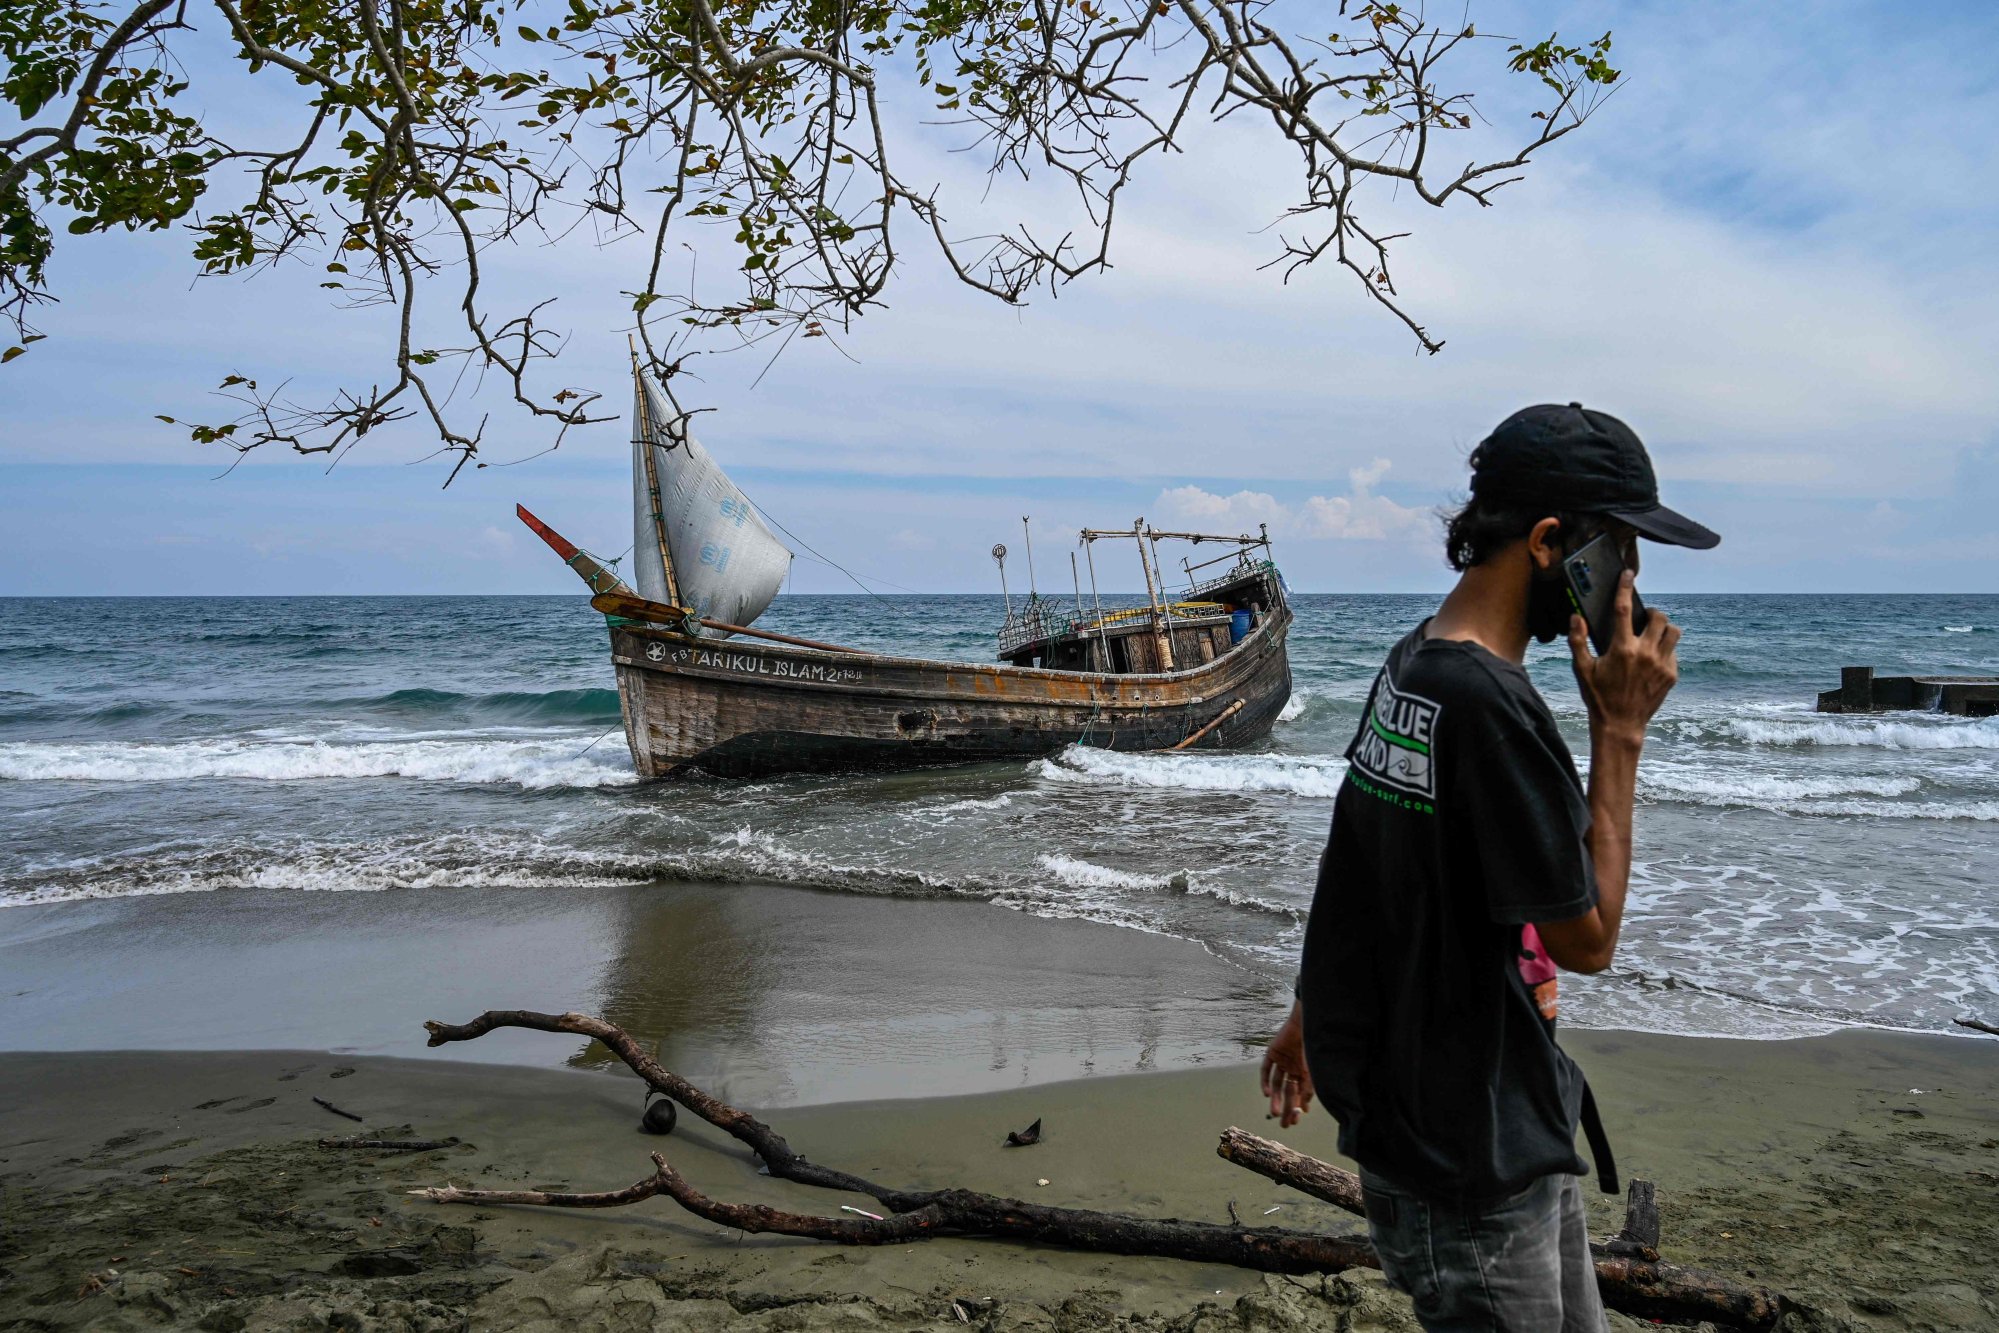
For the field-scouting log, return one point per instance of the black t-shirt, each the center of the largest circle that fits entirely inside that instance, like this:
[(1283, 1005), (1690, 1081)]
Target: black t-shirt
[(1461, 820)]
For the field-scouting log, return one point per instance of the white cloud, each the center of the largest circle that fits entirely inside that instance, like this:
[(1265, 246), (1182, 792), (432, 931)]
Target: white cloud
[(1359, 515)]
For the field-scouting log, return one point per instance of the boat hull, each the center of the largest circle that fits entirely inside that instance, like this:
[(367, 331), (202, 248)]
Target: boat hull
[(741, 709)]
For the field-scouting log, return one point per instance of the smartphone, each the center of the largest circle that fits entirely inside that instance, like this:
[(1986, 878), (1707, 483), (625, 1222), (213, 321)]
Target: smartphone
[(1592, 575)]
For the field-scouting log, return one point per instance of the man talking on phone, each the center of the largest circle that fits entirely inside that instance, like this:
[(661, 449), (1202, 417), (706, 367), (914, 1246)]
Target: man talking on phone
[(1467, 862)]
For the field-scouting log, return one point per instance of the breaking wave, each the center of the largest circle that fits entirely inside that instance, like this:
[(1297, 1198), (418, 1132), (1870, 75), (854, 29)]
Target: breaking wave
[(970, 804), (1887, 733), (522, 763), (1297, 775), (1089, 875), (1868, 795), (499, 859), (1312, 702), (1661, 778), (515, 859)]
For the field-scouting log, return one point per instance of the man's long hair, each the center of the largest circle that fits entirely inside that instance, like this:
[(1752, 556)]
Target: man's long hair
[(1479, 529)]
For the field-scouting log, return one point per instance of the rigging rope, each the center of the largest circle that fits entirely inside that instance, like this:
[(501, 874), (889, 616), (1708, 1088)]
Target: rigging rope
[(824, 559)]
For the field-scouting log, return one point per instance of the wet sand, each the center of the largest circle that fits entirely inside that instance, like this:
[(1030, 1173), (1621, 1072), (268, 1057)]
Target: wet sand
[(1857, 1172), (766, 995)]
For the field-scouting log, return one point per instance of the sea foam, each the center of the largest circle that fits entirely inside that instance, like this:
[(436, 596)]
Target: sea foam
[(1297, 775), (538, 763)]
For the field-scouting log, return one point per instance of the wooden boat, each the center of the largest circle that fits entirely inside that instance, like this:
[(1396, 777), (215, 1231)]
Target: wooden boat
[(702, 692)]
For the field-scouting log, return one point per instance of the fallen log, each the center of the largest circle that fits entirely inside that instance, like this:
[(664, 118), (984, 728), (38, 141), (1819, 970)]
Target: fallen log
[(1632, 1284), (1629, 1272)]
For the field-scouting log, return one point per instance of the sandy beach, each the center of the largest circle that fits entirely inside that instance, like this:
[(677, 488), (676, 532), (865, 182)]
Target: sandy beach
[(1857, 1173)]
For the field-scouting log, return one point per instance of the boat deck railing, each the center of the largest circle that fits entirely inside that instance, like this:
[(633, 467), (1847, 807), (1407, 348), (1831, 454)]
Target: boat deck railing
[(1043, 621), (1233, 575), (1037, 621)]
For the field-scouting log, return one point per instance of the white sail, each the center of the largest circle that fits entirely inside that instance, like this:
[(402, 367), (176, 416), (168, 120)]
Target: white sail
[(725, 563)]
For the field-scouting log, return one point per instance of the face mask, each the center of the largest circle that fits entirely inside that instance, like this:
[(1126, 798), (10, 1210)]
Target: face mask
[(1548, 608)]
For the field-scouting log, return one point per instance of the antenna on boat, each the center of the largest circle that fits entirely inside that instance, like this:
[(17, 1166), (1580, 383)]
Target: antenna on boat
[(1089, 540), (1028, 536), (999, 558)]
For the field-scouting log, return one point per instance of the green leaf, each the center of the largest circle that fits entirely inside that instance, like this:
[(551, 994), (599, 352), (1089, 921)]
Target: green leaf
[(11, 353), (528, 34)]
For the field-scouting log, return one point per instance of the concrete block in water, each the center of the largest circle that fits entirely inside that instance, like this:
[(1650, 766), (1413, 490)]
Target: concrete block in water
[(1861, 691)]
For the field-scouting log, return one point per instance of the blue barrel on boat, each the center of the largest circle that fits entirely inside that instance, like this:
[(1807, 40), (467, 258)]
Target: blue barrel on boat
[(1239, 625)]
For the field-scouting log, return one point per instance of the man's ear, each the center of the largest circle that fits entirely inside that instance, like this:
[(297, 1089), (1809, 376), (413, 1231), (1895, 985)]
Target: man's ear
[(1544, 544)]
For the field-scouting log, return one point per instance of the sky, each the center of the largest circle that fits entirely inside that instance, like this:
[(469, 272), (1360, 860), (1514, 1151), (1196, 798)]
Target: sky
[(1772, 251)]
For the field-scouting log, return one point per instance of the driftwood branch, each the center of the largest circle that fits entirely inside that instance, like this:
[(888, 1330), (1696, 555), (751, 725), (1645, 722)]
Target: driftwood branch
[(1976, 1026), (1631, 1282), (636, 1193), (1629, 1272), (955, 1212), (390, 1145), (1307, 1175), (968, 1213)]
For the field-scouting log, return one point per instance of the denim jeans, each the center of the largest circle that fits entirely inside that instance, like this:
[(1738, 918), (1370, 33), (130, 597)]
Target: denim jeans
[(1514, 1264)]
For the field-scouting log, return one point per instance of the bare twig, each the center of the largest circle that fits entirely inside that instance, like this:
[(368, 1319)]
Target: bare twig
[(322, 1102)]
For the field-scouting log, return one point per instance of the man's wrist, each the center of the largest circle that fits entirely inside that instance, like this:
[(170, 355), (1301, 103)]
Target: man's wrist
[(1606, 733)]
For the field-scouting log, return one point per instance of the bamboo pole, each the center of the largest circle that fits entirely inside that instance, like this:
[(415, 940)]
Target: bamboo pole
[(1218, 719)]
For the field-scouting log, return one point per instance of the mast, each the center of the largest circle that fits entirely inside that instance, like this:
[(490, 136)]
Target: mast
[(642, 409), (1164, 642), (1166, 602)]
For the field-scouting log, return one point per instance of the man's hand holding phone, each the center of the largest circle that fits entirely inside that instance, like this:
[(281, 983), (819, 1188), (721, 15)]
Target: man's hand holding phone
[(1624, 686)]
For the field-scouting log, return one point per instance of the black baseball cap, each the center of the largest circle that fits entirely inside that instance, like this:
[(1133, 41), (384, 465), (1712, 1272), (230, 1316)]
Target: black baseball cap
[(1571, 458)]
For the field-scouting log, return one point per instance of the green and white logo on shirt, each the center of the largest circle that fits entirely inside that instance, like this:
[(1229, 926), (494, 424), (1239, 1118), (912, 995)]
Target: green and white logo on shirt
[(1394, 742)]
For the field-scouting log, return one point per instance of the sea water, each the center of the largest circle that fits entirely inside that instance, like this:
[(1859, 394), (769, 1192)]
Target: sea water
[(1794, 872)]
